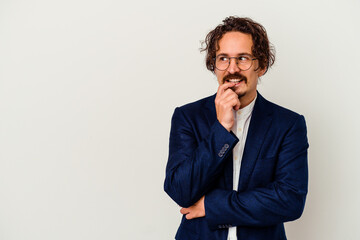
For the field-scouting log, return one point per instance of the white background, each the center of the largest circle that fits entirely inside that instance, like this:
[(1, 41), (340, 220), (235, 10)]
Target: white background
[(88, 88)]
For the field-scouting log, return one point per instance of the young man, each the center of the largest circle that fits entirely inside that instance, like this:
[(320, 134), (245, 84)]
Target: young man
[(237, 163)]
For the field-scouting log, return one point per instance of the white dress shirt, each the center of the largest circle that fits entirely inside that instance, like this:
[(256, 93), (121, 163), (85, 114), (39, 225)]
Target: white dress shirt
[(240, 129)]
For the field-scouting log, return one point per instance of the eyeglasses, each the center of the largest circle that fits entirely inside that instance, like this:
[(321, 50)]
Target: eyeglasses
[(244, 62)]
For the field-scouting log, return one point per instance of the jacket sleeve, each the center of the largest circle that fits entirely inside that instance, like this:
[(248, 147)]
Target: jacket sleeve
[(280, 201), (194, 164)]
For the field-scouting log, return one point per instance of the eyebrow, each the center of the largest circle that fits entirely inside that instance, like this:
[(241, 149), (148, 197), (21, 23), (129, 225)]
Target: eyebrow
[(239, 54)]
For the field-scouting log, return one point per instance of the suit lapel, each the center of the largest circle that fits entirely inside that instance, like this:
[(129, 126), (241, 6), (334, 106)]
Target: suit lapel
[(259, 125)]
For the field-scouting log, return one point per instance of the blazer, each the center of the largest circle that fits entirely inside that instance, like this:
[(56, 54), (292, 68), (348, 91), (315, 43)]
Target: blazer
[(273, 176)]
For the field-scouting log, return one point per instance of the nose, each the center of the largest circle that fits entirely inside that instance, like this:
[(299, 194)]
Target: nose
[(233, 67)]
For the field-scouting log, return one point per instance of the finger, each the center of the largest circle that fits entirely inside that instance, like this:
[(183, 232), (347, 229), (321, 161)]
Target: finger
[(229, 94), (184, 211), (238, 105), (231, 103), (226, 94), (225, 86), (234, 103), (189, 216)]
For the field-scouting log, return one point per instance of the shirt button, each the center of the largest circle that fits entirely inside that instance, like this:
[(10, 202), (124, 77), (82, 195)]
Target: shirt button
[(239, 129)]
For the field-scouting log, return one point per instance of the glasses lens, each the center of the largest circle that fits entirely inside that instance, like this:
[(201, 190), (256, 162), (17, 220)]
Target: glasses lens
[(244, 62), (222, 62)]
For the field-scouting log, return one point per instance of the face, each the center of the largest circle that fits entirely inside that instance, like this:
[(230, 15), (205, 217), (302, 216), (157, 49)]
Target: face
[(233, 44)]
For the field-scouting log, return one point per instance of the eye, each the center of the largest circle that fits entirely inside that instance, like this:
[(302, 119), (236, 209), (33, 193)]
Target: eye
[(243, 58), (223, 59)]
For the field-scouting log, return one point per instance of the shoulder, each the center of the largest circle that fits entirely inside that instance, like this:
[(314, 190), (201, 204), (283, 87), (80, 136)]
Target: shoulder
[(206, 102), (279, 113), (200, 111), (197, 107), (283, 111)]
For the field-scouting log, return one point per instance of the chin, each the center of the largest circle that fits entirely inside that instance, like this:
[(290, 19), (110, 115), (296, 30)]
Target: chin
[(240, 92), (240, 95)]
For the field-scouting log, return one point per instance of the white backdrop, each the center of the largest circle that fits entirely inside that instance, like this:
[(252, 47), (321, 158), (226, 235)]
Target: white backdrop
[(88, 88)]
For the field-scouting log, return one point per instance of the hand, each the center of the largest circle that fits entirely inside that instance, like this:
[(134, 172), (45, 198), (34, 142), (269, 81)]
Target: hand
[(226, 100), (195, 211)]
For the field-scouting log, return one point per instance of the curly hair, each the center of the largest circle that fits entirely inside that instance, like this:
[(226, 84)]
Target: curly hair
[(262, 49)]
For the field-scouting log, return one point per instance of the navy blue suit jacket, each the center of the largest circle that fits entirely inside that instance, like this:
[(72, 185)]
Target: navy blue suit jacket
[(273, 175)]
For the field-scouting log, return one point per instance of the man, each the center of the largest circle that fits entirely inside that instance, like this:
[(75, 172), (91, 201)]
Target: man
[(211, 138)]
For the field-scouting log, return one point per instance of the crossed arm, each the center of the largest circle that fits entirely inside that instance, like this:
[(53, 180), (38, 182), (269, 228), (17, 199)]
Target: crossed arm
[(193, 168), (280, 201), (190, 159)]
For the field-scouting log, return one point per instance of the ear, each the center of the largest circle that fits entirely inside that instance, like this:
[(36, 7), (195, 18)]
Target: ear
[(261, 72)]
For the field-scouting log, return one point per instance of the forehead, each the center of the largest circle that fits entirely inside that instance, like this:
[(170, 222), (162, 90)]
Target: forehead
[(233, 43)]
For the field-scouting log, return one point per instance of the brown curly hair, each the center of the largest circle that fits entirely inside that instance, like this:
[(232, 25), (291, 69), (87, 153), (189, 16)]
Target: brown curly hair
[(262, 49)]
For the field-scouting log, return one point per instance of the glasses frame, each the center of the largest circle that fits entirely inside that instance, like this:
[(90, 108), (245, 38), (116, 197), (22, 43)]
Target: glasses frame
[(236, 60)]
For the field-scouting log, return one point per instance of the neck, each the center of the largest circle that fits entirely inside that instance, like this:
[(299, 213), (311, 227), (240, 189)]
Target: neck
[(246, 99)]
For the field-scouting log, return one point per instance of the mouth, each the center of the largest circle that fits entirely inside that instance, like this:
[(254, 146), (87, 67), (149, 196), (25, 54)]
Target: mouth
[(235, 80)]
